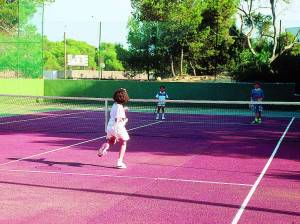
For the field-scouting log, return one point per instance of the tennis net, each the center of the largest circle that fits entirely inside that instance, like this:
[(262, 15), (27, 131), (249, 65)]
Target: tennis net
[(183, 118), (40, 114)]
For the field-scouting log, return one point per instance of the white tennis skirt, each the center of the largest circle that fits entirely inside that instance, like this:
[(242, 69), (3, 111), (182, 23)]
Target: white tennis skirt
[(117, 130)]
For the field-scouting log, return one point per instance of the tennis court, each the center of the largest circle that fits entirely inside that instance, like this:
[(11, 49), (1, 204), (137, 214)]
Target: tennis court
[(206, 163)]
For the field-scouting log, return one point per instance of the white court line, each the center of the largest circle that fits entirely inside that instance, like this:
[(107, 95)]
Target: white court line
[(251, 192), (69, 146), (130, 177), (40, 118)]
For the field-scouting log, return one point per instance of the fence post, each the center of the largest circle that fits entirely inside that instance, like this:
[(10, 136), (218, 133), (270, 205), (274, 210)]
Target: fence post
[(106, 114)]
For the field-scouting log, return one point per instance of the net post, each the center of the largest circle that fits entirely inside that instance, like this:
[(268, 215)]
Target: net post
[(106, 114)]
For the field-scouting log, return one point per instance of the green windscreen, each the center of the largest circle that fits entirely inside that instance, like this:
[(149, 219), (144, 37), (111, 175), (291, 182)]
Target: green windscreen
[(21, 38)]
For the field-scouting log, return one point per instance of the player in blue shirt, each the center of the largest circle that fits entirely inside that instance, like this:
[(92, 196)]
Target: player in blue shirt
[(162, 96), (257, 94)]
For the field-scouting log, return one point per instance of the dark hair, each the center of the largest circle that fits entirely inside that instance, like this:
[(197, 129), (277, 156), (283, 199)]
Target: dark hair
[(257, 83), (162, 87), (121, 96)]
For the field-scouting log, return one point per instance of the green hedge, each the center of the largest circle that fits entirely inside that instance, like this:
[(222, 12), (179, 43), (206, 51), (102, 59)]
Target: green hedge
[(182, 91)]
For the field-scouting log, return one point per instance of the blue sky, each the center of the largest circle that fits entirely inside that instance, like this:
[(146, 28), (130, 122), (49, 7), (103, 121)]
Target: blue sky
[(80, 19)]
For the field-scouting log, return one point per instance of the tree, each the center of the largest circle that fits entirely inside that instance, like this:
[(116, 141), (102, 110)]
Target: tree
[(12, 18), (109, 53), (176, 24), (8, 16), (123, 56), (54, 54), (141, 45), (211, 50), (152, 10), (287, 65), (266, 25), (183, 23), (20, 38), (191, 33)]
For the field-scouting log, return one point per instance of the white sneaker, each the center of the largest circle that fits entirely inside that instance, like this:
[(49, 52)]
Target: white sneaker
[(102, 151), (157, 116), (163, 117), (121, 165)]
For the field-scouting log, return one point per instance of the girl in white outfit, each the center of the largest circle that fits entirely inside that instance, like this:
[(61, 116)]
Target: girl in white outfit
[(116, 131)]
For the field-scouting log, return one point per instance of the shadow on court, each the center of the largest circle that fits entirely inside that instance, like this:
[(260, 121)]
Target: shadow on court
[(153, 197)]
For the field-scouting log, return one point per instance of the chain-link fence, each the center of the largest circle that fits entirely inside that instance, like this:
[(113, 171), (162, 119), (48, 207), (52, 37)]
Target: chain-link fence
[(21, 38)]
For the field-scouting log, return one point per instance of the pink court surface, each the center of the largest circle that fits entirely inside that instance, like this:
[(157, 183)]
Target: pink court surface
[(226, 173)]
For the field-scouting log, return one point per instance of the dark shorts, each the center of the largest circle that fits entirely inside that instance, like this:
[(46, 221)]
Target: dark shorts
[(257, 108)]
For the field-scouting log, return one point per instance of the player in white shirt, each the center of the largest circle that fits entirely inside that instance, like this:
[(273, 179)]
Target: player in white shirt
[(116, 130), (162, 96)]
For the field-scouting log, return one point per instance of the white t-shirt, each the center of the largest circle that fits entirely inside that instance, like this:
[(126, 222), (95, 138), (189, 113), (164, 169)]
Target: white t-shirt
[(117, 129), (117, 112), (162, 97)]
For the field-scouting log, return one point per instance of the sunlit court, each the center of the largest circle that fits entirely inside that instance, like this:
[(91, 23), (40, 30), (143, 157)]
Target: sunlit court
[(146, 111)]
